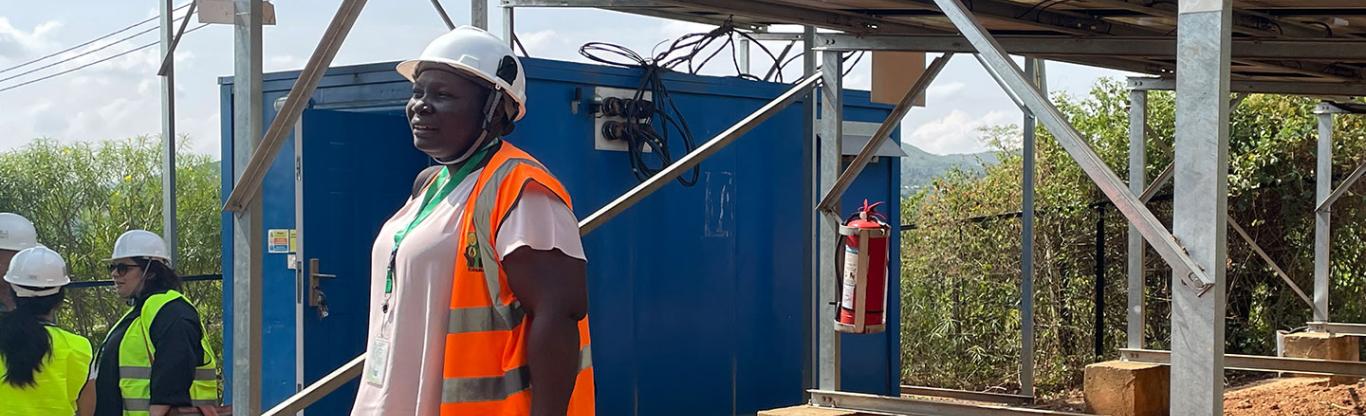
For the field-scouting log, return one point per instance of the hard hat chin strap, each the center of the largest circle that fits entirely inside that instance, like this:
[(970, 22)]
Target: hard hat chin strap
[(495, 99)]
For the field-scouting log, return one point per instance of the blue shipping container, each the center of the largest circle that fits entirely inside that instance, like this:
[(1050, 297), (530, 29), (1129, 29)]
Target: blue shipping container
[(711, 323)]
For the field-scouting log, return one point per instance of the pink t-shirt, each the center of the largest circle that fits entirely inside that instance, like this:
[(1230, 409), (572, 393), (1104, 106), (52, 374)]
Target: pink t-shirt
[(402, 374)]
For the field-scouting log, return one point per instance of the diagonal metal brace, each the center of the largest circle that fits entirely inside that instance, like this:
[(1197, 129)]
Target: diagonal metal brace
[(1267, 258), (175, 40), (249, 183), (996, 62), (884, 131)]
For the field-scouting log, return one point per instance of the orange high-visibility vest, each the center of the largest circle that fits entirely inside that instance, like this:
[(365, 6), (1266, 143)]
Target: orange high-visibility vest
[(485, 371)]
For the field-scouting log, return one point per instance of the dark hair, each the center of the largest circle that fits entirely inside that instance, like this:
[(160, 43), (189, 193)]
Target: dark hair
[(158, 277), (24, 341)]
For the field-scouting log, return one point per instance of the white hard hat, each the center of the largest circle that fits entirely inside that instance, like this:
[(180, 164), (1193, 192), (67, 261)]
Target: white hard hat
[(16, 232), (478, 53), (140, 243), (37, 267)]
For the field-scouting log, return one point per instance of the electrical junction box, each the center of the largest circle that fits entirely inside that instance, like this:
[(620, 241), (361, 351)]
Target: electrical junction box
[(600, 94)]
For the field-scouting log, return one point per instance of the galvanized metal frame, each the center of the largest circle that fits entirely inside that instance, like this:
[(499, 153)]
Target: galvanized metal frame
[(1037, 74), (169, 38), (829, 128), (1200, 203), (1256, 363), (1339, 328), (1090, 46), (1138, 166), (247, 235), (908, 406), (977, 396)]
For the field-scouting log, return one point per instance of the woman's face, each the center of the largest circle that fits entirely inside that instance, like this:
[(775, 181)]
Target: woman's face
[(445, 112), (128, 277)]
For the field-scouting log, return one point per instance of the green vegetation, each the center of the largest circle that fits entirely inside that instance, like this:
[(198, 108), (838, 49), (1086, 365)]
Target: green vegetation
[(82, 196), (960, 265)]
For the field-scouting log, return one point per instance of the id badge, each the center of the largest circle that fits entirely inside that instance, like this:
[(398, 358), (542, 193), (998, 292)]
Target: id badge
[(377, 362)]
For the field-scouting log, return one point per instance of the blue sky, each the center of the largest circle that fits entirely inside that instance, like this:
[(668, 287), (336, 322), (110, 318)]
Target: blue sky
[(120, 98)]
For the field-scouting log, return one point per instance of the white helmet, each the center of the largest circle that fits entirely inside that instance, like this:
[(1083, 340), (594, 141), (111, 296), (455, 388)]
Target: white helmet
[(16, 232), (476, 52), (138, 244), (36, 272)]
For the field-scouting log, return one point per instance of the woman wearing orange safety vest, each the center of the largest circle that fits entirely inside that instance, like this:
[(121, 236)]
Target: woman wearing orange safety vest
[(478, 294)]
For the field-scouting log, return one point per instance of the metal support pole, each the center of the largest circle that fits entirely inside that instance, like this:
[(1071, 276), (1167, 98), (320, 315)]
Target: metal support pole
[(1034, 72), (1322, 217), (1200, 203), (1099, 299), (479, 14), (441, 11), (510, 25), (1004, 70), (742, 55), (1138, 165), (810, 188), (168, 145), (248, 112), (255, 171), (829, 128), (1137, 177)]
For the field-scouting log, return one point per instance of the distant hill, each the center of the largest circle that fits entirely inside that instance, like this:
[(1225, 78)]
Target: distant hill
[(920, 168)]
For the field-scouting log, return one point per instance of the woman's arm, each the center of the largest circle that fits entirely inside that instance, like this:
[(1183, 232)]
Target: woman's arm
[(552, 287)]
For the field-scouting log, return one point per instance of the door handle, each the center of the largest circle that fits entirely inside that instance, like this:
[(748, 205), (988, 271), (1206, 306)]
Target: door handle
[(316, 297)]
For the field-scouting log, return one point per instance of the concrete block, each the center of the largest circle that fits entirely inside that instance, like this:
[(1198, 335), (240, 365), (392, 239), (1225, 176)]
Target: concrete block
[(1324, 346), (1126, 388)]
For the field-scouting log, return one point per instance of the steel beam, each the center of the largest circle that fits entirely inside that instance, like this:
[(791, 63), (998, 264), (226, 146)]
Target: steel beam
[(295, 102), (1160, 181), (479, 14), (1138, 166), (1323, 217), (441, 12), (1338, 328), (1326, 111), (1130, 46), (905, 406), (1036, 73), (1269, 262), (831, 199), (510, 26), (169, 38), (976, 396), (1257, 363), (247, 237), (829, 128), (1000, 65), (811, 194), (168, 53), (1200, 203), (789, 14), (671, 172), (316, 391), (1262, 87)]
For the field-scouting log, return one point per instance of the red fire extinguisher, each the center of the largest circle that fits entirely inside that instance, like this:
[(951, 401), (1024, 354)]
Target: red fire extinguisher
[(863, 290)]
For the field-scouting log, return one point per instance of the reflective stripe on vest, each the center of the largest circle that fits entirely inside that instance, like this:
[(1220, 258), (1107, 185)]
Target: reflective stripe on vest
[(136, 353), (486, 370)]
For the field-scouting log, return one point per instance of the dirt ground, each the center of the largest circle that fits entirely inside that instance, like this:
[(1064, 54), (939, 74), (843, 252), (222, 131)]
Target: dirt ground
[(1295, 396), (1291, 396)]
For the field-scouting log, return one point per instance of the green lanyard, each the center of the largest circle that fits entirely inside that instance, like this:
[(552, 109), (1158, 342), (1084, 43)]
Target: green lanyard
[(445, 183)]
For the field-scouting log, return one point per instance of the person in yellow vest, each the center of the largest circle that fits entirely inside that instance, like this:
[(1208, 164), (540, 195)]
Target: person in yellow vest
[(478, 300), (157, 357), (43, 368), (16, 233)]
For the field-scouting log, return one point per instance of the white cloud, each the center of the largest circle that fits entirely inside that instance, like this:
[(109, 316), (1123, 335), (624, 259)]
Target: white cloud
[(938, 91), (955, 133), (16, 43)]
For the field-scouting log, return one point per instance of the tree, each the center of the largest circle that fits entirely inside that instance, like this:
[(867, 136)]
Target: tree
[(82, 196), (960, 264)]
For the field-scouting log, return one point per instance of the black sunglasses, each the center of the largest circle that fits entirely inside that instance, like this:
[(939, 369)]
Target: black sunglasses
[(120, 268)]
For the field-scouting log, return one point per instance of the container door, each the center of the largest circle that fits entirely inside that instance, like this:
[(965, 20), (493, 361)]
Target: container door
[(356, 169)]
